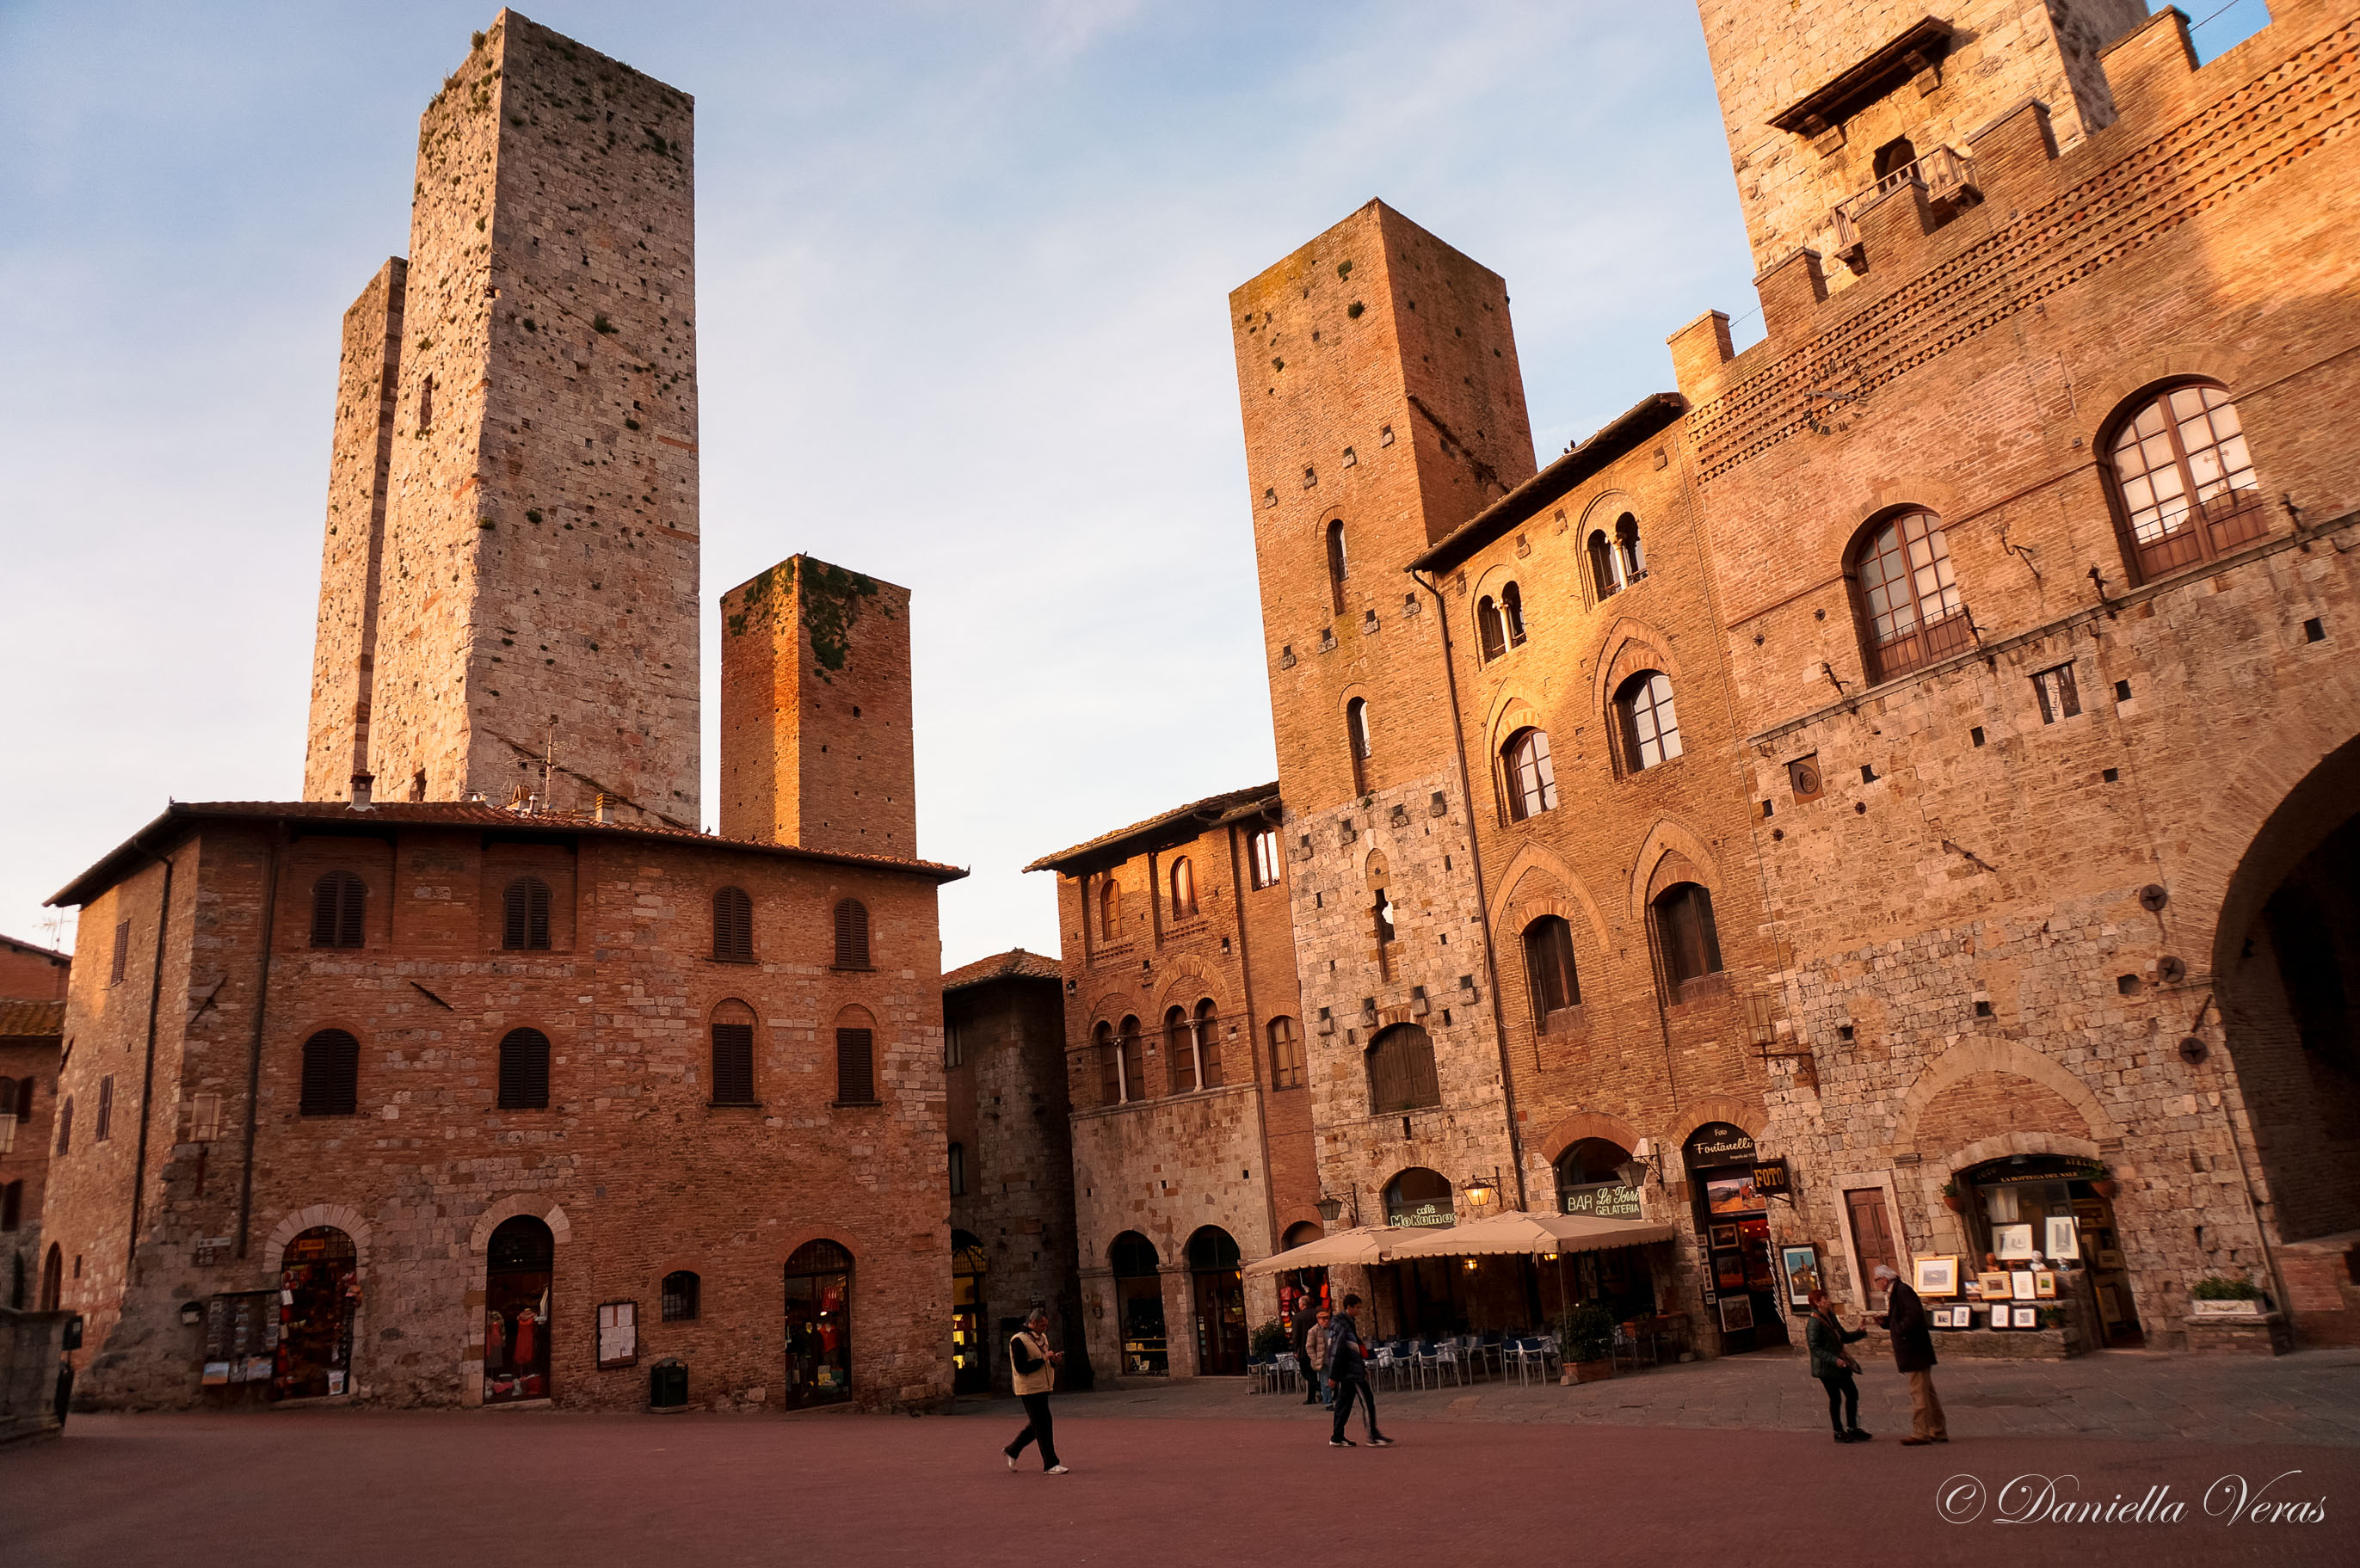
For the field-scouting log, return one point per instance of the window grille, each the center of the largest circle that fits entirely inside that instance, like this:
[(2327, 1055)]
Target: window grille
[(681, 1290)]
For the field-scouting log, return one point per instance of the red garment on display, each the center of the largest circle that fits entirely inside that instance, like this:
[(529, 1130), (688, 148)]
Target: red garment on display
[(525, 1323)]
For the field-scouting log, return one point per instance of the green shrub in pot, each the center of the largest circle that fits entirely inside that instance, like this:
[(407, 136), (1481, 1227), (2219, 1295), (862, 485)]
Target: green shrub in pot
[(1586, 1332)]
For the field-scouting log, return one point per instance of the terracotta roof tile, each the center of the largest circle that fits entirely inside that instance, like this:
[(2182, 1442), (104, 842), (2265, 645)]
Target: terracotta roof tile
[(20, 1019), (1180, 823), (1015, 964)]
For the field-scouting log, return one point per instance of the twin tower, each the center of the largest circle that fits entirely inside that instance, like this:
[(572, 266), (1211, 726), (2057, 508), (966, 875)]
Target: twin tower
[(508, 595)]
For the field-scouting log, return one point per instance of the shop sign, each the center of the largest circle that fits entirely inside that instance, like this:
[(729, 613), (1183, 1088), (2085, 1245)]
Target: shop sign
[(1771, 1178), (1424, 1214), (1601, 1200), (1720, 1144)]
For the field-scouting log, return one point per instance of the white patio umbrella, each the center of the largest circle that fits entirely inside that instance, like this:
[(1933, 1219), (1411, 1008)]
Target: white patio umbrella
[(1363, 1244), (1529, 1235)]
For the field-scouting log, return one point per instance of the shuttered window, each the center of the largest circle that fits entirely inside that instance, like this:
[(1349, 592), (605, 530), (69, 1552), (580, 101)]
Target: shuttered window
[(1109, 1065), (1400, 1069), (122, 952), (681, 1290), (12, 1206), (856, 1066), (851, 934), (524, 1071), (524, 909), (732, 926), (331, 1072), (1684, 927), (337, 902), (106, 1129), (733, 1062)]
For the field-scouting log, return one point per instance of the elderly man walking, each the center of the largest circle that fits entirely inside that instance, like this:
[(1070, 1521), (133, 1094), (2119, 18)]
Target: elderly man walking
[(1913, 1352), (1032, 1369)]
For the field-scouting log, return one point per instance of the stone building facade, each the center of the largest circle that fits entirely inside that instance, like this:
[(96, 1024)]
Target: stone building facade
[(527, 372), (525, 1094), (32, 972), (32, 1038), (1192, 1110), (1009, 1168)]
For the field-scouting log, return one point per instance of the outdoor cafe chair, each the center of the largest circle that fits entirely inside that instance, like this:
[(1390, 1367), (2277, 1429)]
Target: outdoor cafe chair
[(1448, 1359), (1285, 1370)]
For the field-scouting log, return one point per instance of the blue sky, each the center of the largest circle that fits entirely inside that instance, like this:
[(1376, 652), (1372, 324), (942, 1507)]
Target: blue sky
[(961, 307)]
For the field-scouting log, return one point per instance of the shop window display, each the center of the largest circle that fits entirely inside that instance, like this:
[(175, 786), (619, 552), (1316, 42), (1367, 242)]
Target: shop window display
[(1742, 1297), (819, 1325), (319, 1290), (2027, 1212), (1138, 1305), (1213, 1260), (970, 1355), (519, 1271)]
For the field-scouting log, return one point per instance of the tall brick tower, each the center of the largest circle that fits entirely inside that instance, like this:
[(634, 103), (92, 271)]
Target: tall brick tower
[(1814, 122), (816, 738), (511, 562), (1383, 407)]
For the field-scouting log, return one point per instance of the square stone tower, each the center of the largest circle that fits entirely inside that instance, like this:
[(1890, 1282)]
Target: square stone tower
[(816, 746), (1383, 407), (1824, 103), (511, 561)]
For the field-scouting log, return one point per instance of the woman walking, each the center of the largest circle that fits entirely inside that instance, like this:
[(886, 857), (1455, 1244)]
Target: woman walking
[(1834, 1367), (1032, 1368)]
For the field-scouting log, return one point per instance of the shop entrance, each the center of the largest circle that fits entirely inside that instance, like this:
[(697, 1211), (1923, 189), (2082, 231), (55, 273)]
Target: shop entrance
[(819, 1325), (971, 1353), (319, 1287), (1301, 1292), (519, 1269), (1220, 1303), (2059, 1210), (1138, 1305), (1733, 1220)]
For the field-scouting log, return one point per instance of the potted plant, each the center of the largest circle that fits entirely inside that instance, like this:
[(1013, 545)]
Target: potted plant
[(1585, 1337), (1270, 1340), (1952, 1199), (2101, 1181), (2223, 1298)]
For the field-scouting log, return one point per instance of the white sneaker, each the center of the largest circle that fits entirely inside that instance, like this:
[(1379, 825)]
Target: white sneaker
[(1011, 1463), (1055, 1470)]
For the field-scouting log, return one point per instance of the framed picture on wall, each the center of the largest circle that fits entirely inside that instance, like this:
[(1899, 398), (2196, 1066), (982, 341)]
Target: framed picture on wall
[(2109, 1259), (1936, 1276), (2012, 1241), (1802, 1266), (1724, 1235), (1731, 1196), (1728, 1270), (1736, 1313), (2064, 1237)]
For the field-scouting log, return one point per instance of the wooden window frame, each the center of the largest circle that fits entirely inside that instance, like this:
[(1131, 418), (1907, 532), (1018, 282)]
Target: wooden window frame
[(1340, 564), (1528, 750), (1179, 1045), (2211, 529), (1262, 859), (101, 1128), (1685, 930), (516, 1084), (1402, 1080), (1928, 641), (1605, 577), (1490, 630), (1204, 1022), (733, 1072), (2059, 696), (956, 1161), (856, 1066), (1182, 879), (1109, 910), (1285, 1053), (1627, 705), (339, 910), (733, 925), (852, 935), (331, 1072), (1359, 741), (1553, 988), (1512, 613), (525, 905)]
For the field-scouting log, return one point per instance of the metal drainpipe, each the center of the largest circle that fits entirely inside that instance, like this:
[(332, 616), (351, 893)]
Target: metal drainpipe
[(254, 1052), (1482, 905), (147, 1079)]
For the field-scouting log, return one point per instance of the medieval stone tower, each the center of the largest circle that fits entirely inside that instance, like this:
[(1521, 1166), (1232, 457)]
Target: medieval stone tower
[(1383, 407), (511, 556), (817, 746)]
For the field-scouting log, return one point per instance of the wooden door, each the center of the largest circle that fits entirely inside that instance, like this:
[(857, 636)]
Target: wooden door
[(1871, 1236)]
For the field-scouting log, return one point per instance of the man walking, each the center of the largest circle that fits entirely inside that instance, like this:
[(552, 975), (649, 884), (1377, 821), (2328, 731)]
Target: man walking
[(1913, 1352), (1033, 1370), (1348, 1370), (1310, 1351)]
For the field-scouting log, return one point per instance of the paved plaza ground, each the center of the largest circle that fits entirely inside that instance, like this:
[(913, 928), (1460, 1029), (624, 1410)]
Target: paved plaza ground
[(1720, 1462)]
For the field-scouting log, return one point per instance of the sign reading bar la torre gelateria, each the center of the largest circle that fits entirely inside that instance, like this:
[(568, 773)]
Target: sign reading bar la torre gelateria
[(1601, 1200)]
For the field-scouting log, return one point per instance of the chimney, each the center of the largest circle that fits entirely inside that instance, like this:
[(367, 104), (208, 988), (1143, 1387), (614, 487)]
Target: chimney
[(361, 782), (605, 812)]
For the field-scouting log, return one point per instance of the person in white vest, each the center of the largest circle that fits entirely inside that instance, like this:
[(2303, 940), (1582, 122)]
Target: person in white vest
[(1032, 1368)]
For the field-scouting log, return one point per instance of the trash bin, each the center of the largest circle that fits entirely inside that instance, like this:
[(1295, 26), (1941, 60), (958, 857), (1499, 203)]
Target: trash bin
[(668, 1386)]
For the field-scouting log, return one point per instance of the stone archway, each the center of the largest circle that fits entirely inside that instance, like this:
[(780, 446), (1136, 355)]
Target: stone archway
[(336, 1215)]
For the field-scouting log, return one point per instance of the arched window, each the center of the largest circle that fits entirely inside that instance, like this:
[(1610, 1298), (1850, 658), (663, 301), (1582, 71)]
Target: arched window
[(1286, 1055), (851, 934), (1651, 730), (1605, 576), (1179, 1052), (1400, 1069), (337, 902), (732, 926), (524, 1071), (1356, 731), (1548, 968), (819, 1324), (1910, 610), (1896, 158), (53, 1280), (958, 1170), (1382, 912), (1109, 911), (1109, 1055), (1184, 890), (856, 1058), (65, 1125), (1684, 930), (1134, 1058), (1490, 632), (1418, 1197), (1589, 1181), (2184, 478), (1208, 1042), (733, 1054), (1512, 610), (681, 1291), (1532, 777), (524, 916), (1131, 1256), (1337, 568), (331, 1070), (1630, 561)]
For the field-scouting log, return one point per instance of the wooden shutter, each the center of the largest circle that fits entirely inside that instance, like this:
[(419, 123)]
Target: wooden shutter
[(12, 1200), (525, 916), (105, 1127), (1871, 1233), (324, 911), (331, 1067), (732, 926), (524, 1071), (1109, 1069), (856, 1066), (338, 900), (733, 1064), (851, 934), (122, 949)]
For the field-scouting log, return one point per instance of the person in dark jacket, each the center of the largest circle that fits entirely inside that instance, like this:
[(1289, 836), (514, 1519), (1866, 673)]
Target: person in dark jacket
[(1834, 1367), (1306, 1356), (1348, 1369), (1913, 1352), (1033, 1371)]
